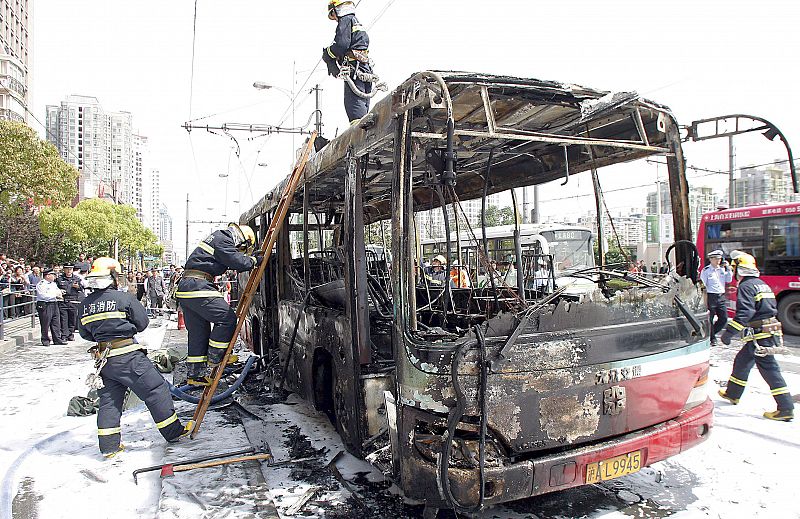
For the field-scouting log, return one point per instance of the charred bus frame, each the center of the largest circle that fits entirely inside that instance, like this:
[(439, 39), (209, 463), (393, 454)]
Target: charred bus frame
[(494, 395)]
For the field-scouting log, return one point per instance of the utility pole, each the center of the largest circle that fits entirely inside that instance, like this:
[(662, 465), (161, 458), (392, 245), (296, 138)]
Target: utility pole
[(536, 214), (186, 255), (731, 183), (317, 111), (658, 210)]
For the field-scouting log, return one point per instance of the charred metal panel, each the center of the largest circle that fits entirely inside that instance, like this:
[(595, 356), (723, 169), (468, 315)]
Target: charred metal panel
[(375, 387)]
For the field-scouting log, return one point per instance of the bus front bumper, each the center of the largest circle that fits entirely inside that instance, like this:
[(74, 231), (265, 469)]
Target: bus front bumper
[(568, 469)]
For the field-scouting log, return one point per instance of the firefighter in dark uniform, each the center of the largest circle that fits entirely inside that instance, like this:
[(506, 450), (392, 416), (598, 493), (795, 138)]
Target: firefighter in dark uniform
[(350, 46), (71, 287), (203, 304), (111, 318), (755, 321)]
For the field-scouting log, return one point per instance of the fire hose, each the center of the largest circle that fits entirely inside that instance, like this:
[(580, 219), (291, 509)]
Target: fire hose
[(180, 392), (346, 73)]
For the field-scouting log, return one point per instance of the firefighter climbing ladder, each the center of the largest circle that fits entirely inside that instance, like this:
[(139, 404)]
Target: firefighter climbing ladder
[(255, 277)]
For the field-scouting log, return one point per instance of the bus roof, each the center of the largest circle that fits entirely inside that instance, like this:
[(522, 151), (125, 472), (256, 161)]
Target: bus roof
[(536, 131), (753, 211)]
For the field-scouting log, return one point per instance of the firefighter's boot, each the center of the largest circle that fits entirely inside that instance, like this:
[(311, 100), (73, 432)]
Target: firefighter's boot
[(197, 375), (780, 415), (187, 430), (730, 399), (109, 455)]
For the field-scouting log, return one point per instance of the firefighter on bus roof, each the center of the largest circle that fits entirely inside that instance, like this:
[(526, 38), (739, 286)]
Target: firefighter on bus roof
[(110, 318), (755, 320), (715, 276), (351, 46), (203, 304)]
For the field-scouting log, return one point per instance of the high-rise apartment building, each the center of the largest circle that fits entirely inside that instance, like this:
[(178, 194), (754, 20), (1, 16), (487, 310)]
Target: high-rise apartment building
[(154, 193), (112, 158), (81, 130), (165, 226), (431, 223), (137, 185), (764, 185), (16, 53)]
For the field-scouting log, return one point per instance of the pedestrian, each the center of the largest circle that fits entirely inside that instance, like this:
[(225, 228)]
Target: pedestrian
[(19, 289), (156, 288), (130, 285), (715, 276), (203, 304), (34, 277), (111, 318), (664, 268), (47, 297), (350, 47), (81, 265), (654, 268), (72, 287), (755, 321)]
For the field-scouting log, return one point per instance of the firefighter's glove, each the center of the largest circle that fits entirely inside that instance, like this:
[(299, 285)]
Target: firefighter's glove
[(726, 337), (257, 259), (330, 62)]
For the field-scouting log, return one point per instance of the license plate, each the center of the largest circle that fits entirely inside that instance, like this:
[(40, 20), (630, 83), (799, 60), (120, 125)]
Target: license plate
[(614, 467)]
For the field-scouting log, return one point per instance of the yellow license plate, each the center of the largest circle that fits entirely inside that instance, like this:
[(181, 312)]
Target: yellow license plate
[(614, 467)]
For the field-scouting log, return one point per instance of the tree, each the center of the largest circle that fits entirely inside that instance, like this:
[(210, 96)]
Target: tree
[(95, 226), (31, 170), (499, 216)]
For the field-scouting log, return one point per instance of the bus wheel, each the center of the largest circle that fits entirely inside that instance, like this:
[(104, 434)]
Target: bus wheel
[(789, 313)]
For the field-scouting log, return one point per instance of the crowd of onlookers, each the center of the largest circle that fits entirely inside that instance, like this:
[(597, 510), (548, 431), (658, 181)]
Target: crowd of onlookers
[(641, 267), (19, 278)]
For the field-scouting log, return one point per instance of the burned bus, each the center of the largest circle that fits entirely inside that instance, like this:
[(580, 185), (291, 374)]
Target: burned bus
[(472, 396)]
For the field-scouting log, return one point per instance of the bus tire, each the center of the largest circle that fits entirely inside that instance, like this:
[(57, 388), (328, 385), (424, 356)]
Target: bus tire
[(789, 313)]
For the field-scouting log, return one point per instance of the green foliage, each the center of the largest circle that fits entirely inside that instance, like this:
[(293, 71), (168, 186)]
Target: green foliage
[(31, 170), (499, 216), (94, 225), (614, 255)]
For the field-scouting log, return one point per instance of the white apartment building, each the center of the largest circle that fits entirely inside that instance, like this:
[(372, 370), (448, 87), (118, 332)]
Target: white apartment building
[(16, 56), (113, 159), (154, 193), (81, 130), (431, 223), (136, 187), (165, 226)]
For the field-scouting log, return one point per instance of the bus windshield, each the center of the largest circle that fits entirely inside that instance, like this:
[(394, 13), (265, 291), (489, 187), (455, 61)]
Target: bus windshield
[(571, 249)]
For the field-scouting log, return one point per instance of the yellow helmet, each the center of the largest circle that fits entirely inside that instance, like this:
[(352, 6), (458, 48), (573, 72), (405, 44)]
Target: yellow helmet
[(743, 262), (333, 4), (103, 266), (244, 236)]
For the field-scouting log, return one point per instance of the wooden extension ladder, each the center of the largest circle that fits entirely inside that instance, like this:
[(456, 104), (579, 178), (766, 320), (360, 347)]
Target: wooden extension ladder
[(252, 283)]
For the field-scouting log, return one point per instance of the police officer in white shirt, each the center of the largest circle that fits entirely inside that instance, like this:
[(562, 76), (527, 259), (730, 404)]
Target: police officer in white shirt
[(715, 276), (47, 297)]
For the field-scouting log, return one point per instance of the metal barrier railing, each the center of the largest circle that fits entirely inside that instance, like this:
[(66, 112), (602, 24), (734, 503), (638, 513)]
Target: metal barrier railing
[(17, 310)]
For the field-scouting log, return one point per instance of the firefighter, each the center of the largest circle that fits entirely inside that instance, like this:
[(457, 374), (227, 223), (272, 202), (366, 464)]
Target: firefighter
[(350, 47), (755, 320), (203, 304), (71, 286), (111, 318), (435, 274), (715, 276)]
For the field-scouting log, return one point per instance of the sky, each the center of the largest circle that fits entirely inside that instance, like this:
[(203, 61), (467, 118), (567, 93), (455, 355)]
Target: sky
[(701, 58)]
